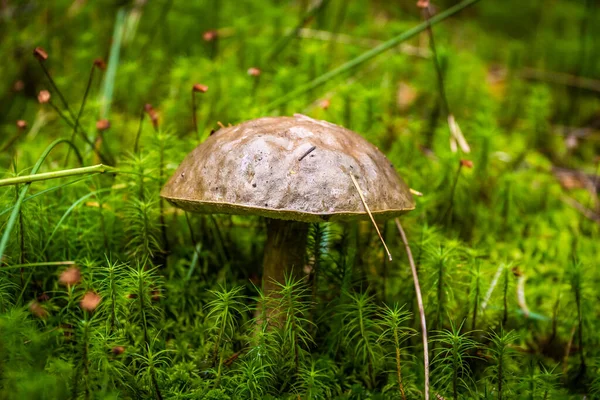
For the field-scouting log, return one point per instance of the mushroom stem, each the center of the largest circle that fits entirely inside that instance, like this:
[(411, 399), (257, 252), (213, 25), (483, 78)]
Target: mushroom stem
[(284, 253)]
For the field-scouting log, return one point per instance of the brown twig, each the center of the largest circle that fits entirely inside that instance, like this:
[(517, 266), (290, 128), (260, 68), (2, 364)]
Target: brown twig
[(307, 153), (586, 212), (560, 78)]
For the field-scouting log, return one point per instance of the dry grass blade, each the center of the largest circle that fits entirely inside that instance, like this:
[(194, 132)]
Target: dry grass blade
[(457, 135), (362, 198)]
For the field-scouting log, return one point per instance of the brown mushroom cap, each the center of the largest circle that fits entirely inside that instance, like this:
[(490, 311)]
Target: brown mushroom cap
[(261, 167)]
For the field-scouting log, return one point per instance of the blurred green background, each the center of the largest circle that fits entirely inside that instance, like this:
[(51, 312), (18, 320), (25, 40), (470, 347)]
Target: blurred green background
[(507, 250)]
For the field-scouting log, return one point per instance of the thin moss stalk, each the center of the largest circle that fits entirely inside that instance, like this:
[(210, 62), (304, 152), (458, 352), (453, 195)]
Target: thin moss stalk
[(94, 169)]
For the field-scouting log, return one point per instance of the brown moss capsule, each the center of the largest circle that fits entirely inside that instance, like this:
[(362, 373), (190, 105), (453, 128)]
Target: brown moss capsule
[(466, 163), (21, 124), (90, 301), (254, 71), (70, 276), (40, 54), (18, 86), (36, 309), (423, 3), (154, 118), (209, 36), (44, 96), (100, 64), (102, 125), (152, 114), (200, 88), (118, 350)]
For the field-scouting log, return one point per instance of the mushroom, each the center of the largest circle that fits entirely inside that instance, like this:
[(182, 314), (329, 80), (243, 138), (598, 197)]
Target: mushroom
[(292, 171)]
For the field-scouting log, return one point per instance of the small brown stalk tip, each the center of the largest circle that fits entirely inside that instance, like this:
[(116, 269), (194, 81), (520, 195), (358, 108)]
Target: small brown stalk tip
[(100, 64), (423, 3), (118, 350), (325, 103), (67, 329), (90, 301), (102, 125), (21, 124), (154, 118), (254, 71), (44, 96), (70, 276), (199, 88), (132, 296), (40, 54), (466, 163), (36, 309), (209, 36), (43, 297), (517, 272), (152, 114), (18, 86)]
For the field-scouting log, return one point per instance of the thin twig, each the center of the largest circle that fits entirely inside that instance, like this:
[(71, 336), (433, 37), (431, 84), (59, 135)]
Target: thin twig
[(307, 153), (80, 112), (371, 216), (560, 78), (586, 212), (413, 269)]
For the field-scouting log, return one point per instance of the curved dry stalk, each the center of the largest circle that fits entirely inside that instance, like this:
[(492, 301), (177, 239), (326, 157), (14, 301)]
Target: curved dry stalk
[(413, 269)]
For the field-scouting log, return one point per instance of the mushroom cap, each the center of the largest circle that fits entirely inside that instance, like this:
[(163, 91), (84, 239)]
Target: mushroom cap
[(264, 167)]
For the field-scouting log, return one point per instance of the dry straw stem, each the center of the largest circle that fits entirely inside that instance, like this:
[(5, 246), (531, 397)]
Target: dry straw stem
[(521, 295), (362, 198), (561, 79), (413, 269)]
